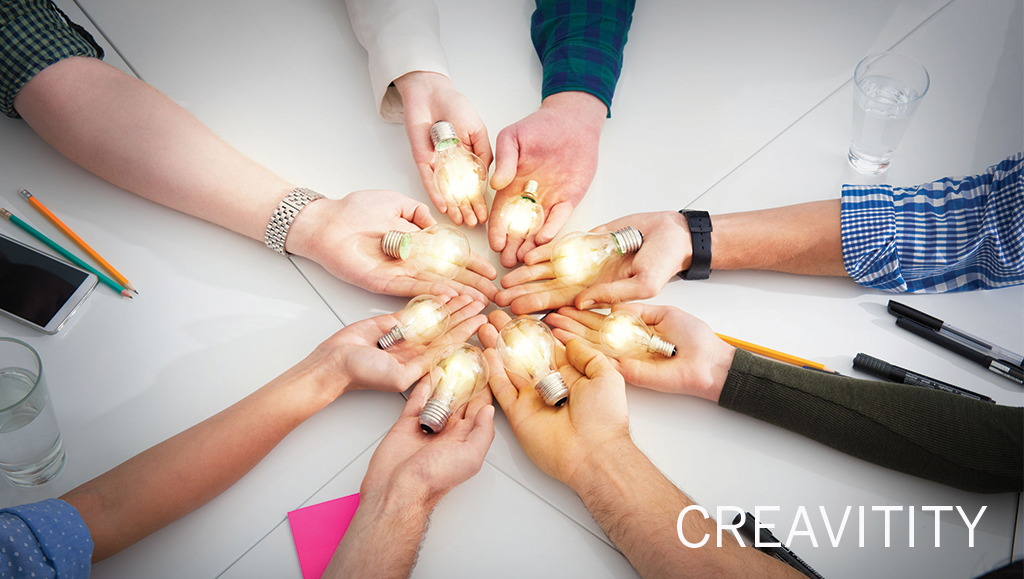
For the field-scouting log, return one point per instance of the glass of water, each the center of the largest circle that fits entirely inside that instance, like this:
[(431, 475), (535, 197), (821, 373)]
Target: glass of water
[(887, 88), (31, 452)]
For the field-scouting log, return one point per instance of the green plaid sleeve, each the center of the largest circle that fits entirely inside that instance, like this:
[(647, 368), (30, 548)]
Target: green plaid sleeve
[(580, 44), (33, 35)]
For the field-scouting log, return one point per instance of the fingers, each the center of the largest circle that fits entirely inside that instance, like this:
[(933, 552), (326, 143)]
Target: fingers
[(592, 320), (418, 214), (621, 290), (573, 327), (506, 158), (510, 252), (417, 399), (557, 216), (498, 319), (589, 361), (497, 233), (467, 214), (504, 392), (538, 255), (528, 273), (481, 145), (475, 285), (488, 335), (480, 209), (543, 300), (651, 315), (479, 264), (427, 176), (407, 286)]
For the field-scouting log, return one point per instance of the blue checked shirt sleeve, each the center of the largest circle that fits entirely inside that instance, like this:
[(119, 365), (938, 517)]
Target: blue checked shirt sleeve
[(954, 234), (47, 539), (33, 35), (580, 44)]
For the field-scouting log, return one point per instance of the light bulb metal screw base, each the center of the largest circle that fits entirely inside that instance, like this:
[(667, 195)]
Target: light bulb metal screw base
[(391, 243), (553, 390), (434, 416), (442, 131), (391, 338), (531, 188), (663, 347), (628, 240)]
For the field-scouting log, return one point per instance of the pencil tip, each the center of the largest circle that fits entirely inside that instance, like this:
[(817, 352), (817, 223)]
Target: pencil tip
[(127, 294)]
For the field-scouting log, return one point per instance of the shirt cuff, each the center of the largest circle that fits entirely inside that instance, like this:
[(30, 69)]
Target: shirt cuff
[(35, 36), (583, 68), (61, 535)]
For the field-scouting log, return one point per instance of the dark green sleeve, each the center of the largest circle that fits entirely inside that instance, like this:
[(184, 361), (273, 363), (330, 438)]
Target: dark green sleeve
[(970, 445)]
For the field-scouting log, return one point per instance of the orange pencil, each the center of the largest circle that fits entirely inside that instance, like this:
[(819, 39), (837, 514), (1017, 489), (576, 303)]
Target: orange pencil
[(74, 237), (775, 354)]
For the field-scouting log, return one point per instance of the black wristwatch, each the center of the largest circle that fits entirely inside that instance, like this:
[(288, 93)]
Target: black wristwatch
[(700, 232)]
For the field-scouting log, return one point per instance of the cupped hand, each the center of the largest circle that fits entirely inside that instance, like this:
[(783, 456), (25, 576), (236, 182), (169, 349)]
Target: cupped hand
[(560, 439), (344, 237), (427, 466), (556, 146), (665, 251), (429, 97), (702, 359), (354, 362)]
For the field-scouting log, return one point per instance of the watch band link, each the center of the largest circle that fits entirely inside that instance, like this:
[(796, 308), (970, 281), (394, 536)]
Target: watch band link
[(700, 234), (281, 221)]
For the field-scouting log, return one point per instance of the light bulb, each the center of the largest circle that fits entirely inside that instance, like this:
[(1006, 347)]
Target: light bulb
[(625, 334), (527, 348), (523, 214), (579, 258), (460, 176), (423, 319), (439, 249), (459, 373)]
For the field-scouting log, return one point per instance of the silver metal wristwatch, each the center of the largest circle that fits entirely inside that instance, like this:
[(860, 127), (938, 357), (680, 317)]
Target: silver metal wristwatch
[(277, 229)]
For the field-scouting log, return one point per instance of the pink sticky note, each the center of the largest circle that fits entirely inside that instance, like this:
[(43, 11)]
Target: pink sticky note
[(318, 529)]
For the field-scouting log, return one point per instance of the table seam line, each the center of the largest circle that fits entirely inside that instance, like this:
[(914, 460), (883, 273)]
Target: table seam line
[(108, 39)]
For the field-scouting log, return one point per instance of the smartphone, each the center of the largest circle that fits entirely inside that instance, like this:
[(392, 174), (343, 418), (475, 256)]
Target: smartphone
[(38, 290)]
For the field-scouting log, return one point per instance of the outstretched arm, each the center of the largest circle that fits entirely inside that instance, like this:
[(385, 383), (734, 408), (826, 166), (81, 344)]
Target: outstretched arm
[(177, 476)]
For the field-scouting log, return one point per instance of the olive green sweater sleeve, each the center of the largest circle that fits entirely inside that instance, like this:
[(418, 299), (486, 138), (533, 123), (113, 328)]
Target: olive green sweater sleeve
[(967, 444)]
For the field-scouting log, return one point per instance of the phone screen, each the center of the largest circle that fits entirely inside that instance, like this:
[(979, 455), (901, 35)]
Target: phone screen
[(34, 286)]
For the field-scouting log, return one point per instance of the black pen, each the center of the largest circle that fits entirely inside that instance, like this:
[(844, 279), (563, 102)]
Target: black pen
[(887, 371), (993, 365), (904, 311), (781, 552)]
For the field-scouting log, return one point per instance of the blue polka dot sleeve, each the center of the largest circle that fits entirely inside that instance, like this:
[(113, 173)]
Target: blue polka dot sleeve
[(40, 540)]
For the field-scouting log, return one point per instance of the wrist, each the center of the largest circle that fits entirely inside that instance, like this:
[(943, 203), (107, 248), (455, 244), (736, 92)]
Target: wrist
[(398, 497), (580, 106), (721, 356), (604, 464), (306, 228), (420, 81)]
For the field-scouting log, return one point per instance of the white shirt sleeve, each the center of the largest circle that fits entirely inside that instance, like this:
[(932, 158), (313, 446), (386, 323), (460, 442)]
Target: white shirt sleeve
[(400, 36)]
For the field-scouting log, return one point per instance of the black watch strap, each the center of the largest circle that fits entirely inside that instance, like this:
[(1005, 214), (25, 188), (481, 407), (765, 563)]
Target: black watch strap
[(700, 233)]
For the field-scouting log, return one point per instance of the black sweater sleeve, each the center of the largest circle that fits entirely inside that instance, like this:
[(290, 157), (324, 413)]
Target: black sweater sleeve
[(964, 443)]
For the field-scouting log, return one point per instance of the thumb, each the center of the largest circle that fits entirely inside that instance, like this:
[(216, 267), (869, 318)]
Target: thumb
[(506, 158), (588, 361), (622, 290)]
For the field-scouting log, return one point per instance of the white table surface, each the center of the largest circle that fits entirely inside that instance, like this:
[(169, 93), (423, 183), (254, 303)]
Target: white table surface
[(748, 106)]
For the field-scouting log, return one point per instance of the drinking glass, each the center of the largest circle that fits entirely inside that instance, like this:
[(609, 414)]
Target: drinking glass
[(887, 88), (31, 452)]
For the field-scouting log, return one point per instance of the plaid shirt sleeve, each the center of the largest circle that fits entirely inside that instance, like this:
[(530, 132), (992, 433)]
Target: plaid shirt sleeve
[(33, 35), (580, 44), (954, 234)]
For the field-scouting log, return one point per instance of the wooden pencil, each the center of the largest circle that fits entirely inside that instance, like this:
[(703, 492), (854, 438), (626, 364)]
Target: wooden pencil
[(78, 240), (67, 254), (775, 354)]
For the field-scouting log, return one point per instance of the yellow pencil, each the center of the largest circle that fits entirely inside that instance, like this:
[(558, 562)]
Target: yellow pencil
[(74, 237), (776, 355)]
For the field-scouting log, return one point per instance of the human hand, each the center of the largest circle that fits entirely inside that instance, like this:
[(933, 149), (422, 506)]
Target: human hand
[(429, 97), (412, 463), (344, 237), (702, 359), (560, 439), (351, 360), (665, 252), (557, 147)]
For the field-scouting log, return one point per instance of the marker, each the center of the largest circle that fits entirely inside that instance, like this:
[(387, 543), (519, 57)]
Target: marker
[(904, 311), (887, 371), (782, 552), (991, 364)]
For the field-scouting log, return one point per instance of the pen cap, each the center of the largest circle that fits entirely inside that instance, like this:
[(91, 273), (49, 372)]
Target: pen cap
[(904, 311), (870, 365)]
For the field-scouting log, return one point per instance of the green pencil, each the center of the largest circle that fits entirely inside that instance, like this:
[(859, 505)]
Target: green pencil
[(67, 254)]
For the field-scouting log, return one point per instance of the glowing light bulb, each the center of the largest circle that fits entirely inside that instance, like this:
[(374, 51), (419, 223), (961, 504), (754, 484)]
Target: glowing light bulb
[(460, 176), (439, 249), (625, 334), (523, 214), (527, 349), (460, 372), (579, 258), (422, 320)]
